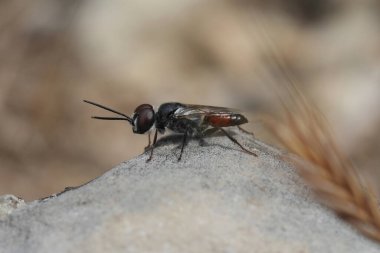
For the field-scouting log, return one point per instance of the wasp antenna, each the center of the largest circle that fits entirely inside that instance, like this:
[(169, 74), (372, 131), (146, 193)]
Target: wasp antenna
[(108, 118), (127, 118)]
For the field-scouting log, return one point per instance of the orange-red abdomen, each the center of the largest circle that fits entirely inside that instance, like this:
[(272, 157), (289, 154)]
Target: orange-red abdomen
[(225, 120)]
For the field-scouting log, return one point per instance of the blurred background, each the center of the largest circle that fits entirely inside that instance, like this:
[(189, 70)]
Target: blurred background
[(54, 54)]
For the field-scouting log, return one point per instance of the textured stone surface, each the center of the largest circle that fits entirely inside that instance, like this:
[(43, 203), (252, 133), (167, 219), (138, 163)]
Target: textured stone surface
[(217, 199), (8, 203)]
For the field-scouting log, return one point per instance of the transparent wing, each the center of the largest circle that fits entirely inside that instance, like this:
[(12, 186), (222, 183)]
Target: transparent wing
[(199, 111)]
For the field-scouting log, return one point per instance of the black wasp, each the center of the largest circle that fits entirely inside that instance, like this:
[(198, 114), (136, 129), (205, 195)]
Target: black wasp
[(189, 120)]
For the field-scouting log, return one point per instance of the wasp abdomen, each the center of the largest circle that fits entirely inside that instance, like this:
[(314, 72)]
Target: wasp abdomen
[(225, 120)]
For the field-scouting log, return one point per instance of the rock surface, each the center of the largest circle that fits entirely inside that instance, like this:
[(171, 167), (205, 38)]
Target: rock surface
[(217, 199), (8, 203)]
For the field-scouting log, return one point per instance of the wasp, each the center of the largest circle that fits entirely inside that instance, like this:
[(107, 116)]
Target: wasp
[(186, 119)]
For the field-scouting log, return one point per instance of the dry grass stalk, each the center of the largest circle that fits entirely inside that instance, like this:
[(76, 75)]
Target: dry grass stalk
[(324, 167), (314, 152)]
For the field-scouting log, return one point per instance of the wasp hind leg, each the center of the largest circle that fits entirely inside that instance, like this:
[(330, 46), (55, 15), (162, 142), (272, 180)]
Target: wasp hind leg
[(236, 142), (210, 131), (205, 133), (245, 131)]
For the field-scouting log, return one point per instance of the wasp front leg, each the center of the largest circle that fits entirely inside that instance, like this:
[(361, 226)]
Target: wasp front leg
[(152, 146), (149, 142)]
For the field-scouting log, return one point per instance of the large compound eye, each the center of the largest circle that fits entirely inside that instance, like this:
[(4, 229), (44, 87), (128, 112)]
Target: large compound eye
[(143, 118)]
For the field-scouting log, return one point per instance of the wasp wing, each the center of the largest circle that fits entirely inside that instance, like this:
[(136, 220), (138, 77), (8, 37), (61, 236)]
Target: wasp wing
[(212, 116), (191, 111)]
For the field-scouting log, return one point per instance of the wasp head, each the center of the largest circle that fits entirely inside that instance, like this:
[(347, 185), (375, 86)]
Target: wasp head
[(143, 118)]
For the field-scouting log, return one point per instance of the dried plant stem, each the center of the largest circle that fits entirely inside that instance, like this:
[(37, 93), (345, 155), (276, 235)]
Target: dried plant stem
[(314, 152), (320, 162)]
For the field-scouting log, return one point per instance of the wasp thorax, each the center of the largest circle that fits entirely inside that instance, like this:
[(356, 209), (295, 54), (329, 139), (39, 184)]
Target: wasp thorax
[(143, 118)]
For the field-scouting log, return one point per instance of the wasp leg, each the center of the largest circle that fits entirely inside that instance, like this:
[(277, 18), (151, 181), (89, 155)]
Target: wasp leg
[(236, 142), (147, 147), (201, 141), (205, 133), (183, 145), (245, 131), (152, 146), (210, 131)]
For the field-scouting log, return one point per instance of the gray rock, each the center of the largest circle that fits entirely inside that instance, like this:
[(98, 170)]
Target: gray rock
[(217, 199), (8, 203)]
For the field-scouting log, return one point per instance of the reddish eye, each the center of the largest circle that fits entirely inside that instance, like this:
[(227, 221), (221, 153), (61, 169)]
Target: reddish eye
[(143, 118)]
